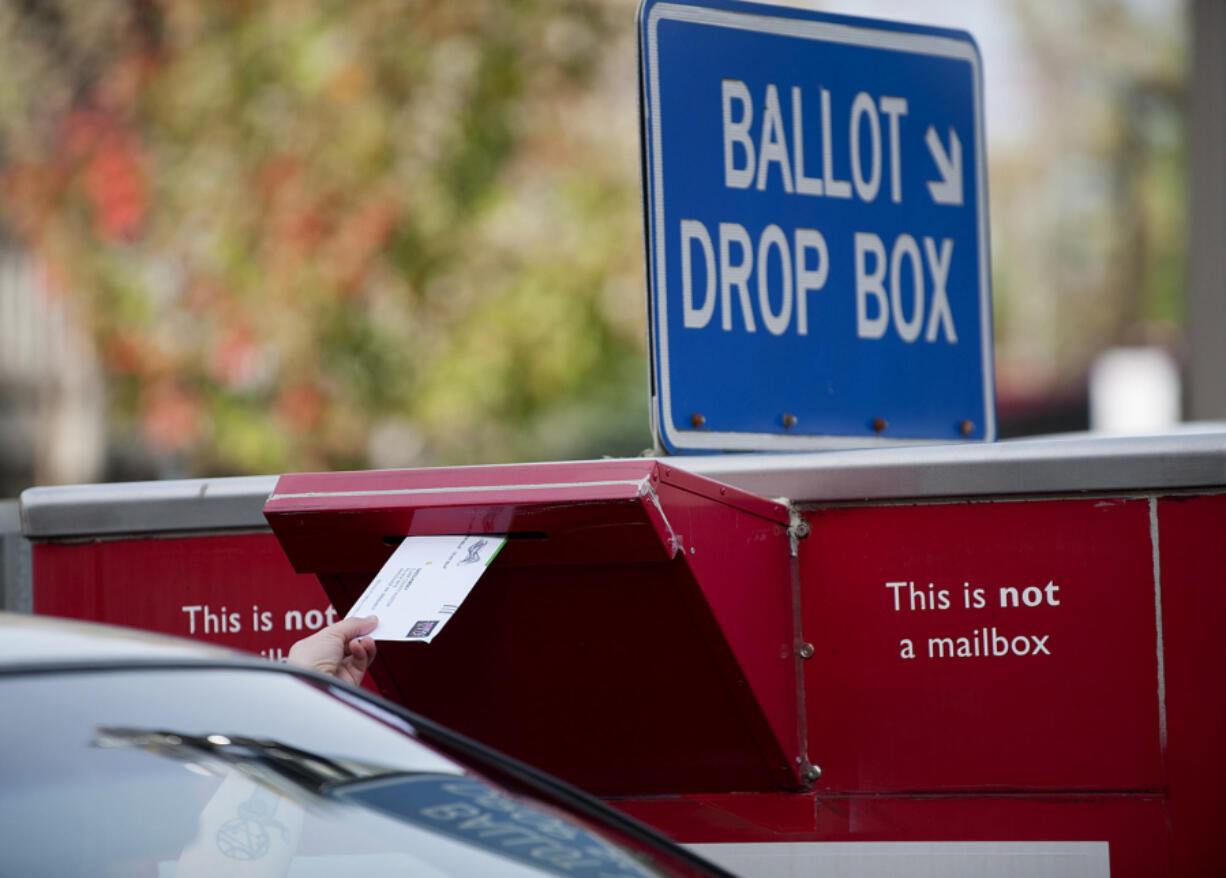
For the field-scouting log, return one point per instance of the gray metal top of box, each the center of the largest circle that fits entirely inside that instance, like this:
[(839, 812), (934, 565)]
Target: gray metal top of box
[(1190, 459)]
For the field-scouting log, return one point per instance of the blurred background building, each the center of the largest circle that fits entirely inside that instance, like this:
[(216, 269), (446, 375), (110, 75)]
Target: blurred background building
[(257, 238)]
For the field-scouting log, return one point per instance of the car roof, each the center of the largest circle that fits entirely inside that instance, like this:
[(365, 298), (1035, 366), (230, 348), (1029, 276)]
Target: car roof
[(43, 640)]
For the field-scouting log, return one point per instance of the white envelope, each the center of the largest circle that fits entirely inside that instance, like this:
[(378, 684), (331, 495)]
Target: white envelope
[(424, 583)]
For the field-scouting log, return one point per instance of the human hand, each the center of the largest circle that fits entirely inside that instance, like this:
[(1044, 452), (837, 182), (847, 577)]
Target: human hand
[(340, 649)]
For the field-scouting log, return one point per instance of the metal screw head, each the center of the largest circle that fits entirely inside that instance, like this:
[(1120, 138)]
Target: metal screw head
[(812, 773), (805, 650), (801, 529), (967, 427), (697, 420), (879, 425), (789, 420)]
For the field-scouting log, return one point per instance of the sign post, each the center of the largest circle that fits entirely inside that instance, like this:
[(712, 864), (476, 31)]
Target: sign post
[(816, 229)]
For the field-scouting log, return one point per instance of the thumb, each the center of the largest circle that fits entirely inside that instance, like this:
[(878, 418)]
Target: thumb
[(356, 626)]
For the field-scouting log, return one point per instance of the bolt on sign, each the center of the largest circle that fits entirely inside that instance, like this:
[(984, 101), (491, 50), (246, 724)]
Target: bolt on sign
[(816, 220)]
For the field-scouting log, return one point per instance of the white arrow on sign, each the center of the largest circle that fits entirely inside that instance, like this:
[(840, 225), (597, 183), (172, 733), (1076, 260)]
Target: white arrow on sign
[(948, 190)]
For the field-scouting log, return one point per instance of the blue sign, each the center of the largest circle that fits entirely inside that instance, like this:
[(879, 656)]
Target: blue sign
[(816, 205)]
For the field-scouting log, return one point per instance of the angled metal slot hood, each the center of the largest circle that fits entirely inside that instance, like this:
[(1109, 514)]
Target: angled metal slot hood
[(634, 636)]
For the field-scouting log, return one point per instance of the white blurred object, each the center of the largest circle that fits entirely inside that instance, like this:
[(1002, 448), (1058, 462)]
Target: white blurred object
[(1134, 390), (52, 417)]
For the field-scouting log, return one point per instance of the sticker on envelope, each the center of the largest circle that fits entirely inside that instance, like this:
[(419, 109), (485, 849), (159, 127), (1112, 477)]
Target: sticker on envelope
[(423, 584)]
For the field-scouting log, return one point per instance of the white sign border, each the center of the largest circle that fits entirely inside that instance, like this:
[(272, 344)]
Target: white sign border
[(822, 31)]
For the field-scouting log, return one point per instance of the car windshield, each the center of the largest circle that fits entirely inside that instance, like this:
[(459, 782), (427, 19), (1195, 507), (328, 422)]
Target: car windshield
[(156, 773)]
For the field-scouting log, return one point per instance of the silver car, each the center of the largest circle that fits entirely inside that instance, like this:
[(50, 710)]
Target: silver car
[(126, 754)]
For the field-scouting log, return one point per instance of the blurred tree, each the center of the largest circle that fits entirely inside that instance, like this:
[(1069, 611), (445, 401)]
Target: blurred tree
[(323, 234), (1088, 209), (310, 234)]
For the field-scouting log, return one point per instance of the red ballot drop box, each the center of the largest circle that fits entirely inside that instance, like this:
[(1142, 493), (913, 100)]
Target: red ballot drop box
[(1000, 659), (635, 609)]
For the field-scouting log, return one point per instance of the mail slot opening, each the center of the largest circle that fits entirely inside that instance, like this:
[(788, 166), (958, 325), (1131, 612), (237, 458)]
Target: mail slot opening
[(394, 541), (635, 635)]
